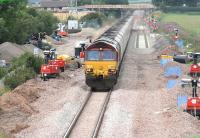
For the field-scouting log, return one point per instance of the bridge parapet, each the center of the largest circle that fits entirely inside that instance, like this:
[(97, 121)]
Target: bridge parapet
[(130, 6)]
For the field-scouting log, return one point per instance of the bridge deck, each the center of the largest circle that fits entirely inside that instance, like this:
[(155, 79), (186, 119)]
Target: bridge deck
[(130, 6)]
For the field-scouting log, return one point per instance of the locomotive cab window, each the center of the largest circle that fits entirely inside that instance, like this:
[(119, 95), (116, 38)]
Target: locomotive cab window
[(104, 55), (108, 55), (92, 55)]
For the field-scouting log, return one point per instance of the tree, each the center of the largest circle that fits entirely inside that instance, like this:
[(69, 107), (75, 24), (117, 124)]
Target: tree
[(17, 22), (46, 22), (116, 1), (191, 3), (83, 2)]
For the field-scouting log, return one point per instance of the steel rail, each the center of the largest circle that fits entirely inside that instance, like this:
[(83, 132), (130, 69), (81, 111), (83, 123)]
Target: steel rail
[(73, 123), (146, 40), (100, 118)]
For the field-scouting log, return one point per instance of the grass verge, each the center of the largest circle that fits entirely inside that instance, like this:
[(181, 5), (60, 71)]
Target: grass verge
[(189, 21)]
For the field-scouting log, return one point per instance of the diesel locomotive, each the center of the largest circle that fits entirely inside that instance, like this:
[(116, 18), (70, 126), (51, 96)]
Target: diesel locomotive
[(104, 56)]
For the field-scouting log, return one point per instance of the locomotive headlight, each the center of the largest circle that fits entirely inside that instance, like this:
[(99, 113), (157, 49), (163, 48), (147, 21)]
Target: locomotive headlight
[(194, 66), (194, 101), (89, 69), (111, 70)]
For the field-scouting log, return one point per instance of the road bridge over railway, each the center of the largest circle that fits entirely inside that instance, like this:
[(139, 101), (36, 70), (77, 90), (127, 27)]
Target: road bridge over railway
[(124, 7)]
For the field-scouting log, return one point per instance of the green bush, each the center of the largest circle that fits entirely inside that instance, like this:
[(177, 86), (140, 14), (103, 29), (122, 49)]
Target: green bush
[(18, 77), (93, 20), (4, 90), (34, 62), (3, 72), (23, 68), (27, 60)]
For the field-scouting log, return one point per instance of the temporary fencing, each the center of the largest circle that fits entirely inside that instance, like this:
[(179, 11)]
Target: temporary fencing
[(171, 84), (173, 71), (181, 100)]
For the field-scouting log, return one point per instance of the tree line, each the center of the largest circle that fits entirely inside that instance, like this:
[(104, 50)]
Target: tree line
[(83, 2), (190, 3), (18, 22)]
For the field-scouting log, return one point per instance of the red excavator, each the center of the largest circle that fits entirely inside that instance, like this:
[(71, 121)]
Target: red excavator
[(52, 67)]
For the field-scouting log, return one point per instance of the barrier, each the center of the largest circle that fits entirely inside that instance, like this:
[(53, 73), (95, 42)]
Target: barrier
[(181, 100), (171, 84), (173, 71)]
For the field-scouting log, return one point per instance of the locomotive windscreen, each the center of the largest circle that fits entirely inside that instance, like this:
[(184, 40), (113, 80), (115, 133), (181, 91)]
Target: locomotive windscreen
[(103, 55)]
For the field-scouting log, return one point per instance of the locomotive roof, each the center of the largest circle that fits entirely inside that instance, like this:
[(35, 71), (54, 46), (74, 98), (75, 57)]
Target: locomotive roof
[(114, 30), (110, 36)]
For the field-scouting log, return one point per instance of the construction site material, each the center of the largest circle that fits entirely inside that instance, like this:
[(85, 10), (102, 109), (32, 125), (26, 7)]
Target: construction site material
[(8, 50)]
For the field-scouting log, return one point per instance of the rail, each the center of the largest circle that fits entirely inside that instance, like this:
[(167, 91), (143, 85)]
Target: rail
[(100, 118), (73, 123)]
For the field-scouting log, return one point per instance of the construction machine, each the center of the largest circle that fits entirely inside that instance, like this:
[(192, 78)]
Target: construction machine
[(184, 58), (193, 103), (195, 67), (52, 66)]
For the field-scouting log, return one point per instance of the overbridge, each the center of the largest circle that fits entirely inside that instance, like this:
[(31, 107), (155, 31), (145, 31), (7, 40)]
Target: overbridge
[(130, 6)]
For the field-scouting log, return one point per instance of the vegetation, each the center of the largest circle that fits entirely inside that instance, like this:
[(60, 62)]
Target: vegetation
[(83, 2), (4, 90), (23, 68), (27, 60), (189, 21), (161, 3), (93, 20), (20, 76), (3, 134), (17, 22), (3, 71)]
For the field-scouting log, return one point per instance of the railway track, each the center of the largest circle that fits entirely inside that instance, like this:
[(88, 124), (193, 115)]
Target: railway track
[(78, 125), (141, 39)]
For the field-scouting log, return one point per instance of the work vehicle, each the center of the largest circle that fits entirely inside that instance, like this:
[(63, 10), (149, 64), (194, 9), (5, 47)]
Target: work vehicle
[(193, 103), (48, 71), (59, 62), (195, 67), (185, 58), (52, 67), (103, 57)]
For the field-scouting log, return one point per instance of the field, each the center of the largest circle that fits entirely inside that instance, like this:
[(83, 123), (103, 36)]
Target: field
[(189, 21)]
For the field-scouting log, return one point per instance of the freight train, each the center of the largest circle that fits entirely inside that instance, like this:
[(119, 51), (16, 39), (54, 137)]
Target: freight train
[(104, 56)]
